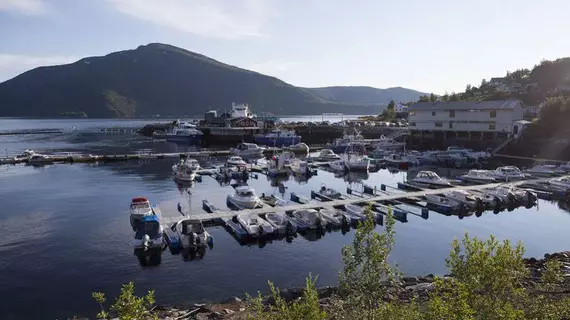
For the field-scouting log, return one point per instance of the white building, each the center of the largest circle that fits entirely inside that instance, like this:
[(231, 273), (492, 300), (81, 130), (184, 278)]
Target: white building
[(466, 117)]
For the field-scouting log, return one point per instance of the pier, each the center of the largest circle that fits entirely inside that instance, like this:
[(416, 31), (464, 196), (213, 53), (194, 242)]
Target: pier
[(217, 217)]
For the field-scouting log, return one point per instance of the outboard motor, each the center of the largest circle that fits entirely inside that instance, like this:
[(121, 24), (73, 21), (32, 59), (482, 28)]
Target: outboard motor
[(479, 206)]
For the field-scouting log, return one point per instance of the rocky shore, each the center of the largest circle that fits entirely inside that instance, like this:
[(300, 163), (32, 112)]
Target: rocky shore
[(409, 288)]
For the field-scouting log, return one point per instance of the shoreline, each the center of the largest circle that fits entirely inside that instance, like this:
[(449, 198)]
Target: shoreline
[(408, 289)]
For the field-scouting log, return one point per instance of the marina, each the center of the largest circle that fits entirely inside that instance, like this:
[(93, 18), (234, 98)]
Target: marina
[(46, 204)]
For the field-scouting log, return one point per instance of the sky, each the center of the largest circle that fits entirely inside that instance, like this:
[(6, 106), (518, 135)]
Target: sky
[(429, 45)]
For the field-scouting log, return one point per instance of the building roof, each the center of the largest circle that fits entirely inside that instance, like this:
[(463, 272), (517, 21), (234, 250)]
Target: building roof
[(466, 105)]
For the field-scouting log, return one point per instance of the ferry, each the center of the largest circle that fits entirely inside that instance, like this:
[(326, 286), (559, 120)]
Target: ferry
[(183, 133), (278, 138)]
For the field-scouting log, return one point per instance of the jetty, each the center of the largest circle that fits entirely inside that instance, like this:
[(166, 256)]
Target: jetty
[(219, 216)]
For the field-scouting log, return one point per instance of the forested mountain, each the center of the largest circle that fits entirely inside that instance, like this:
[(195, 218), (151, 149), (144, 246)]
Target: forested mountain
[(166, 80), (367, 95)]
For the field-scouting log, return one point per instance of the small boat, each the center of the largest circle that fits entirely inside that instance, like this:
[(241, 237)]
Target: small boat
[(250, 150), (236, 161), (40, 159), (563, 183), (327, 193), (183, 171), (191, 235), (301, 148), (355, 210), (478, 176), (276, 166), (278, 138), (335, 217), (508, 173), (244, 198), (513, 196), (396, 159), (299, 199), (300, 167), (183, 134), (273, 201), (281, 223), (193, 164), (311, 217), (429, 179), (148, 234), (326, 155), (338, 166), (386, 143), (255, 225), (563, 168), (445, 204), (472, 202), (355, 162), (140, 207), (543, 170)]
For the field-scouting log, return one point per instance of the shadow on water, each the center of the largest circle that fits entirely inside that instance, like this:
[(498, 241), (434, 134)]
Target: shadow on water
[(148, 259)]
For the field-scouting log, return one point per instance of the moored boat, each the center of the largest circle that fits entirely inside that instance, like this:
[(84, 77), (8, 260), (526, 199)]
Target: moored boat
[(429, 179), (250, 150), (281, 223), (244, 198), (508, 173), (254, 225), (278, 138), (190, 235), (326, 155), (236, 161), (311, 217), (140, 207), (148, 235), (301, 148), (478, 176), (184, 171)]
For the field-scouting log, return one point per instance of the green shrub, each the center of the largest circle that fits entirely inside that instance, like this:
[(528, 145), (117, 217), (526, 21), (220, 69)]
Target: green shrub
[(128, 306)]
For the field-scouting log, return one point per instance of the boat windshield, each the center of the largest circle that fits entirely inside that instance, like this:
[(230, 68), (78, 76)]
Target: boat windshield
[(246, 193), (252, 221), (140, 206)]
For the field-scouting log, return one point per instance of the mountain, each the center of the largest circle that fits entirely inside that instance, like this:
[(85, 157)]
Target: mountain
[(366, 95), (160, 79)]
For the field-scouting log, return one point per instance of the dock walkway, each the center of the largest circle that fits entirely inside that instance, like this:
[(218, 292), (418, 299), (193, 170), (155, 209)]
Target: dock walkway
[(226, 214)]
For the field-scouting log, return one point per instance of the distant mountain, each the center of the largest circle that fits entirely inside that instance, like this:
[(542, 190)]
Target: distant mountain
[(166, 80), (366, 95)]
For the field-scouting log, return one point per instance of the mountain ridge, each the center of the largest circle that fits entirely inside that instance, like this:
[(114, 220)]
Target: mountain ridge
[(163, 79)]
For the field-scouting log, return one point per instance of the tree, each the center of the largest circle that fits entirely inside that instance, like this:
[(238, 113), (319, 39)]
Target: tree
[(454, 97), (391, 105), (468, 88), (424, 98), (128, 306), (432, 97)]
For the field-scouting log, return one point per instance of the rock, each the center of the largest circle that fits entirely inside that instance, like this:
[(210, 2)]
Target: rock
[(410, 280), (228, 311), (420, 287), (202, 316), (235, 300), (326, 292)]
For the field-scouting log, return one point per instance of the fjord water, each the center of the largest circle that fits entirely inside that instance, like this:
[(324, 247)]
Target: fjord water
[(64, 229)]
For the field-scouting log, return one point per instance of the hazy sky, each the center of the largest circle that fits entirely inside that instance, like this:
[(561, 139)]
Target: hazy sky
[(428, 45)]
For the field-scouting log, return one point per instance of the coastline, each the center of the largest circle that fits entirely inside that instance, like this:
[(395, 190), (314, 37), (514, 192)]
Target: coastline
[(406, 290)]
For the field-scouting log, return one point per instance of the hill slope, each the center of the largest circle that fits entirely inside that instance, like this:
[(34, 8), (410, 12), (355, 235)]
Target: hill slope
[(157, 79), (366, 95)]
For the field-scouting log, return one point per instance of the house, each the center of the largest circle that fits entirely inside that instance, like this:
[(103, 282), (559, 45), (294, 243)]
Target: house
[(498, 81), (492, 118)]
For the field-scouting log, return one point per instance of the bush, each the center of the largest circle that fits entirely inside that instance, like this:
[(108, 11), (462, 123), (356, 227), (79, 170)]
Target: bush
[(128, 306)]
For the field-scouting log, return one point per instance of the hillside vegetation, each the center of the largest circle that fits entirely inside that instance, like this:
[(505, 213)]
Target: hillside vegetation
[(160, 79)]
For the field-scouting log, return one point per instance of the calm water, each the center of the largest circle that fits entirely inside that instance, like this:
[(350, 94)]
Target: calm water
[(64, 229)]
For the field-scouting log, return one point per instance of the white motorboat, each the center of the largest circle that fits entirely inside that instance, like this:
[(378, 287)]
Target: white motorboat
[(356, 162), (543, 170), (429, 179), (326, 155), (281, 223), (250, 150), (311, 217), (472, 202), (300, 167), (355, 210), (444, 203), (479, 176), (236, 161), (398, 159), (334, 217), (244, 198), (513, 196), (140, 207), (255, 225), (563, 182), (193, 164), (508, 173), (298, 148), (338, 166), (184, 171), (273, 200), (329, 193), (386, 143), (192, 234), (40, 159)]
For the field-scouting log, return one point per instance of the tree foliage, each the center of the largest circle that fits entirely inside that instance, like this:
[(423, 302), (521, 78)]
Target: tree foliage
[(127, 306)]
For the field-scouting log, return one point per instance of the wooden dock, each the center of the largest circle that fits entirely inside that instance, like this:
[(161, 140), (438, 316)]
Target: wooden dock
[(227, 214)]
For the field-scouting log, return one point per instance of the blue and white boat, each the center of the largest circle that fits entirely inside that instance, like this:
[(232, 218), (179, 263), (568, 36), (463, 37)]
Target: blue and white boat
[(182, 133), (278, 138), (145, 223)]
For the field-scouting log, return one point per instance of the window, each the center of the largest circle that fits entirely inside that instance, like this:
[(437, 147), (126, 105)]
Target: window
[(412, 113), (433, 113), (452, 113), (451, 125), (493, 113), (412, 124), (438, 125), (492, 126)]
